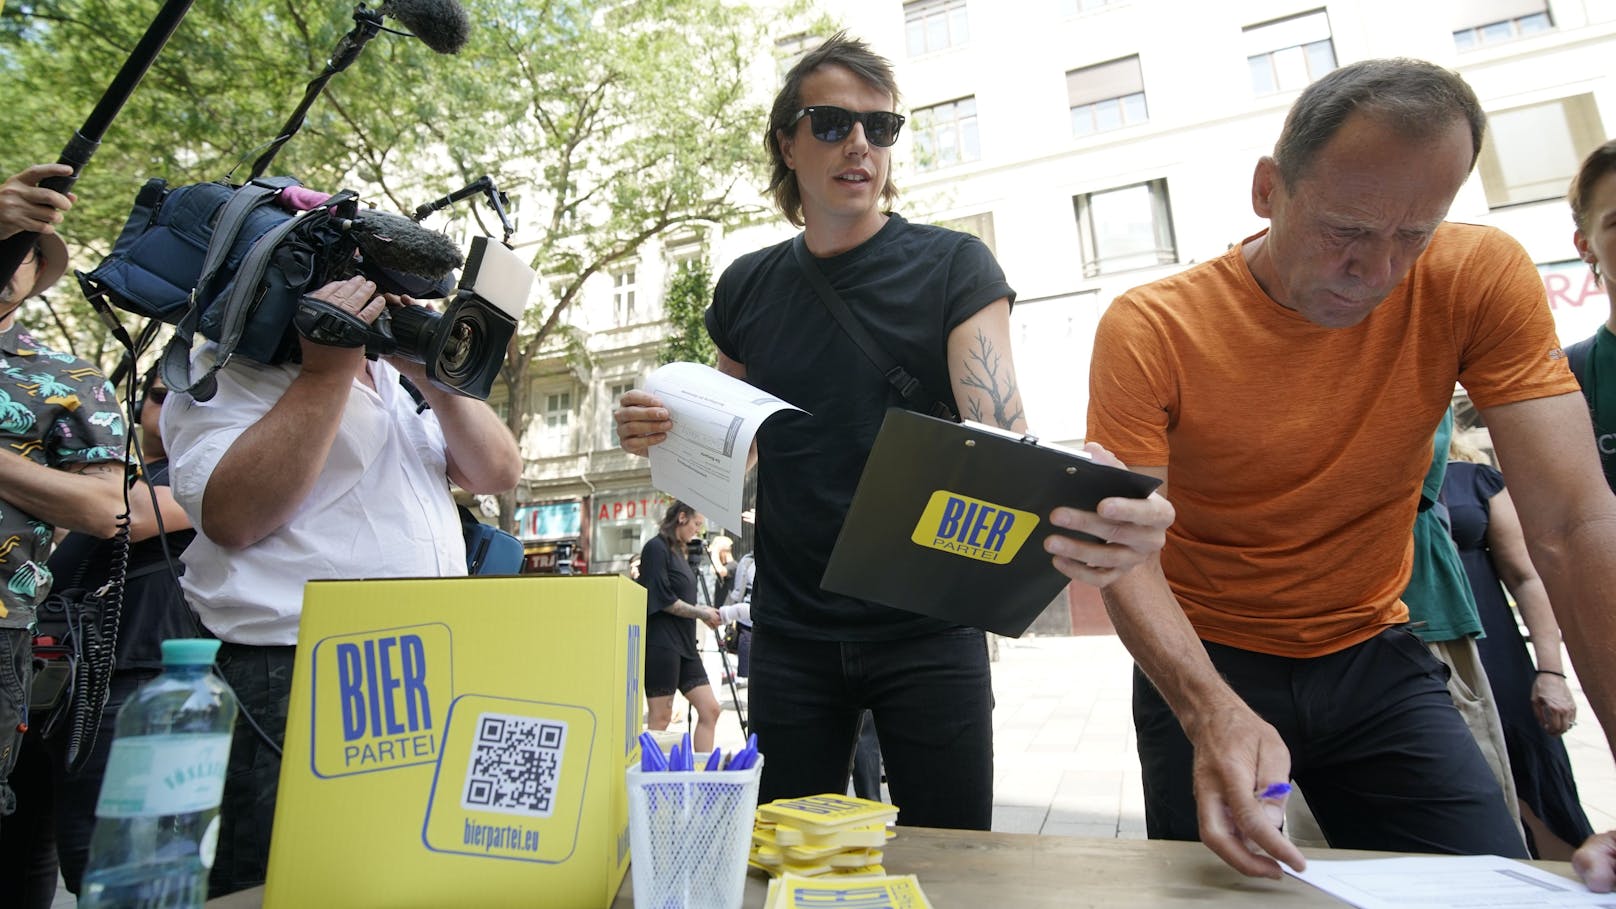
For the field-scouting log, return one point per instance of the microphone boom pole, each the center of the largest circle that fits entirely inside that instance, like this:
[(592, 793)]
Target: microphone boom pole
[(367, 24), (87, 138)]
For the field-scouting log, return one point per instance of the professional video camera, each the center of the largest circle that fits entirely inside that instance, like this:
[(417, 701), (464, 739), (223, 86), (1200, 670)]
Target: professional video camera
[(461, 348), (236, 263)]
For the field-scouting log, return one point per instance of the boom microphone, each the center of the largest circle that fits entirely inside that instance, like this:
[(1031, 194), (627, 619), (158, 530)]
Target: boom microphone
[(398, 244), (440, 24)]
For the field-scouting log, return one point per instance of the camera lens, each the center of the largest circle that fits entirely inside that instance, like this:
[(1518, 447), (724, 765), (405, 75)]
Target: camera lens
[(460, 347)]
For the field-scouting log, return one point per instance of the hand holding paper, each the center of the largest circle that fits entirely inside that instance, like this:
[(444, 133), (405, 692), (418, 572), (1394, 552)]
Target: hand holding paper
[(696, 425)]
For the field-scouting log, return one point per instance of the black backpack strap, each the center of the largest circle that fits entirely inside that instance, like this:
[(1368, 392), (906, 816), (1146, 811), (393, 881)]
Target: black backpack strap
[(913, 392), (1577, 358)]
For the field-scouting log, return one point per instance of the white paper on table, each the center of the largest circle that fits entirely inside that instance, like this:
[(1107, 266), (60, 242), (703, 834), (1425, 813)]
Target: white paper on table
[(703, 461), (1448, 882)]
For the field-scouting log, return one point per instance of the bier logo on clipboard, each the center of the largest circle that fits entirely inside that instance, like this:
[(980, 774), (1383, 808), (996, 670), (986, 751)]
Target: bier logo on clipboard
[(973, 528)]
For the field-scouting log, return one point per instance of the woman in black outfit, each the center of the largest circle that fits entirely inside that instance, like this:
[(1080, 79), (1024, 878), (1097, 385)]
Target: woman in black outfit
[(671, 662), (1534, 701)]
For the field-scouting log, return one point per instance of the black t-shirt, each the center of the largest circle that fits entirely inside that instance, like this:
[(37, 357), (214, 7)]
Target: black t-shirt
[(910, 285), (154, 607), (666, 577)]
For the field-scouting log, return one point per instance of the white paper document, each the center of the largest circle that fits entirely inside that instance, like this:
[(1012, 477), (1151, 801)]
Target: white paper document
[(703, 460), (1448, 882)]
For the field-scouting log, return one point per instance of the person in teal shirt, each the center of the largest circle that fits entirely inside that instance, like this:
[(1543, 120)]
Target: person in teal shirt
[(1593, 359), (1442, 612)]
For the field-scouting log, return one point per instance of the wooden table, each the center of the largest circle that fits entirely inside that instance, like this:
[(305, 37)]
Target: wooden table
[(970, 870)]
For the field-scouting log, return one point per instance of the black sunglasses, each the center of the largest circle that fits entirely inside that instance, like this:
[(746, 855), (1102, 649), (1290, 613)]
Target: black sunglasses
[(156, 395), (833, 124)]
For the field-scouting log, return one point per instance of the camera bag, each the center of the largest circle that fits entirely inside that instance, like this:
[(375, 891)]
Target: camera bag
[(224, 260)]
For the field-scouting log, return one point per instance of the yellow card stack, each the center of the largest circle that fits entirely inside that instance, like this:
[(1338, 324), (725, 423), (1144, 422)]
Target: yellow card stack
[(900, 891), (833, 835)]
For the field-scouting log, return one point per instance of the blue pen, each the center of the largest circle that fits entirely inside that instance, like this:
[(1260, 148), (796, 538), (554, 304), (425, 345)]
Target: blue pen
[(1274, 791), (748, 755), (651, 757)]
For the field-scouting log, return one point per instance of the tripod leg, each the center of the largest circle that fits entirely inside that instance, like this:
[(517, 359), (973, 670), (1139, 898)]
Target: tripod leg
[(723, 656)]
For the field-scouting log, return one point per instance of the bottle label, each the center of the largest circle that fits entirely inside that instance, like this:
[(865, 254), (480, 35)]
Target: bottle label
[(156, 775)]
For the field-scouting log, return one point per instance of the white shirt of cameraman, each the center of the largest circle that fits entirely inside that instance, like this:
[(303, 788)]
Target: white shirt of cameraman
[(381, 506)]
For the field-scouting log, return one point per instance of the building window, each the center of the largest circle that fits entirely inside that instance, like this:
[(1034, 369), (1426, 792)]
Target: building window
[(946, 134), (557, 437), (979, 226), (614, 393), (1106, 96), (933, 25), (1483, 22), (1073, 7), (623, 296), (1125, 228), (1287, 54), (1531, 153)]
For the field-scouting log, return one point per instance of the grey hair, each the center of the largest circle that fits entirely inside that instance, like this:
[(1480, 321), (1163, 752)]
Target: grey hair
[(1417, 98)]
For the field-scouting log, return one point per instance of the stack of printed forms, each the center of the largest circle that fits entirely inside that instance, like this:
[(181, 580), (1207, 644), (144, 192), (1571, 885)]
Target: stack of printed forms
[(821, 835), (900, 891)]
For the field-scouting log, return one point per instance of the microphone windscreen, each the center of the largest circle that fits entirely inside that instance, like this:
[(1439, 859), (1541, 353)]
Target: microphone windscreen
[(396, 243), (440, 24)]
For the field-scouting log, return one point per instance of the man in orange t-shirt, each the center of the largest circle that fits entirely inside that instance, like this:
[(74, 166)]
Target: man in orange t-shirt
[(1287, 393)]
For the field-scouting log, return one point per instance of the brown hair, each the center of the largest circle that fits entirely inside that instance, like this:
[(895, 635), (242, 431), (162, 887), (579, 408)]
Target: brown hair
[(670, 523), (1600, 161), (1416, 98), (852, 55)]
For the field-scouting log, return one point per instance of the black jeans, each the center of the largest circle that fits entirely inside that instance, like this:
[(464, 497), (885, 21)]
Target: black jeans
[(262, 679), (932, 698), (1376, 745)]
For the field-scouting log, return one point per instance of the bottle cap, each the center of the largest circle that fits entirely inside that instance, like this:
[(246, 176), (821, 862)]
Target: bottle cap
[(189, 651)]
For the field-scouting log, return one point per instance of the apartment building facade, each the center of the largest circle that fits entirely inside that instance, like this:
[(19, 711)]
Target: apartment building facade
[(1097, 145)]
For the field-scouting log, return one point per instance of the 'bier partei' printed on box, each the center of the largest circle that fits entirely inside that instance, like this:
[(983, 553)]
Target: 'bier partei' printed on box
[(459, 740)]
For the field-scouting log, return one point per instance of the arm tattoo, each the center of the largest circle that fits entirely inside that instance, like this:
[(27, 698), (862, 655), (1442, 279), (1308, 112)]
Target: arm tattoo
[(982, 372), (684, 610)]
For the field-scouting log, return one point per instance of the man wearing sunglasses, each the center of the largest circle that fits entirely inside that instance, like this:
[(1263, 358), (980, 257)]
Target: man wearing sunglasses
[(938, 303), (61, 450)]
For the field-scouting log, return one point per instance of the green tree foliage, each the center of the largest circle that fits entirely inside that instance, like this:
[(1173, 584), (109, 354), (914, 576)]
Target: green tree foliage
[(610, 122), (686, 305)]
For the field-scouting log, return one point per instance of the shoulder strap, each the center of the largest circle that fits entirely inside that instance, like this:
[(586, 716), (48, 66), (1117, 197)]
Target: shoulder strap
[(176, 362), (1577, 358), (907, 385)]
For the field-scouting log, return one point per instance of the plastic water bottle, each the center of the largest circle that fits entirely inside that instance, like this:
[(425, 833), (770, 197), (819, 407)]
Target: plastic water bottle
[(157, 820)]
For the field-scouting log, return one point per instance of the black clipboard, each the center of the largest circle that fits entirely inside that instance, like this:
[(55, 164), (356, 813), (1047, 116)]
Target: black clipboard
[(949, 521)]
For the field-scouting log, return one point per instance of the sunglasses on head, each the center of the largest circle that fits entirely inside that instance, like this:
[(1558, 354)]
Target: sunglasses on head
[(833, 124)]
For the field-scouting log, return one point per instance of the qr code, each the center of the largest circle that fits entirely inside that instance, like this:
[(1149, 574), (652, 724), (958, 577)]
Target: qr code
[(515, 762)]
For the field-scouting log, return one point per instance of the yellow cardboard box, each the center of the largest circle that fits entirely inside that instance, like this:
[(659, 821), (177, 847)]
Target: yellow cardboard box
[(460, 741)]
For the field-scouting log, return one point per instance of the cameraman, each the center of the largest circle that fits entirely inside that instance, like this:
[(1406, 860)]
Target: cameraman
[(292, 473)]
